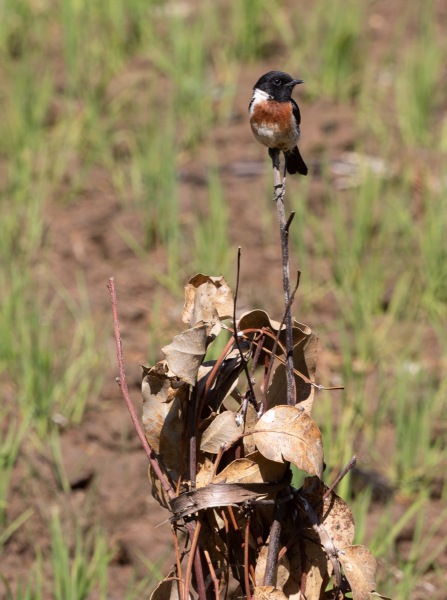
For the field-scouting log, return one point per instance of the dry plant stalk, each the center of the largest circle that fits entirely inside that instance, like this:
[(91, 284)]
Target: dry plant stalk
[(224, 448)]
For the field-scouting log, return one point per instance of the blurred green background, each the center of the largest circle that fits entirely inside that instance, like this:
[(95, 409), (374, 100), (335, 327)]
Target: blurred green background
[(125, 150)]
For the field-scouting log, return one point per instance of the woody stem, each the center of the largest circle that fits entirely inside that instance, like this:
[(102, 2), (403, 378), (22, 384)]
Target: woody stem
[(279, 186)]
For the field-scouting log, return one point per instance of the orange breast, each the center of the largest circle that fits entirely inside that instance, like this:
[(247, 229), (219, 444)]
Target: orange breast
[(273, 113), (273, 125)]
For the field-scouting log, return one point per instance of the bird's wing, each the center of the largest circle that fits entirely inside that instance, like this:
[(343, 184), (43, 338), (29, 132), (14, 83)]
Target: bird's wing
[(296, 111)]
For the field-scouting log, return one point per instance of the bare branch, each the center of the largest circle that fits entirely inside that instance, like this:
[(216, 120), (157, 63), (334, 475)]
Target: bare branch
[(163, 477), (236, 337), (276, 342), (212, 574), (246, 562), (193, 555), (351, 464), (280, 189), (272, 554)]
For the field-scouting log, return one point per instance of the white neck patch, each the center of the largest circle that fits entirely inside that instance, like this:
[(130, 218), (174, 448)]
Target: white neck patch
[(259, 96)]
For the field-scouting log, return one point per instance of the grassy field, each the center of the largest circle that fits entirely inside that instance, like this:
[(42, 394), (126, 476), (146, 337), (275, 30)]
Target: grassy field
[(133, 99)]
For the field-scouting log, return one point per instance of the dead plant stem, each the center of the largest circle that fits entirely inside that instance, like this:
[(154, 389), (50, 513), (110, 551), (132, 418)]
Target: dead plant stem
[(279, 185), (246, 559), (125, 392), (194, 533), (272, 554)]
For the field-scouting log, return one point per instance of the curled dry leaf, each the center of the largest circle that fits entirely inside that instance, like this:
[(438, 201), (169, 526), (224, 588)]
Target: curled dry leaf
[(268, 592), (282, 568), (360, 568), (222, 494), (168, 589), (305, 363), (222, 430), (334, 514), (259, 319), (204, 473), (162, 414), (185, 353), (338, 521), (207, 300), (255, 468), (286, 433)]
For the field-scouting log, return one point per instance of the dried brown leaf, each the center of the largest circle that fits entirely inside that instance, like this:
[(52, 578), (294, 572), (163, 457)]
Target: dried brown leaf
[(204, 473), (334, 514), (259, 319), (270, 470), (304, 362), (268, 592), (359, 566), (185, 353), (282, 568), (252, 469), (222, 494), (338, 521), (167, 589), (207, 300), (286, 433), (221, 431), (162, 414)]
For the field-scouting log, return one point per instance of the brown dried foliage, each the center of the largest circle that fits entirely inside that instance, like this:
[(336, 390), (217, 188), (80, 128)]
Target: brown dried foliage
[(228, 457)]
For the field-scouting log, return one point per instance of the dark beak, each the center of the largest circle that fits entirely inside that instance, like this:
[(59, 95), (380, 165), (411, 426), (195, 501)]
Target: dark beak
[(295, 82)]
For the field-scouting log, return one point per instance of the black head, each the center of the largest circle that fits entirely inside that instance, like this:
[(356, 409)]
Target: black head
[(278, 85)]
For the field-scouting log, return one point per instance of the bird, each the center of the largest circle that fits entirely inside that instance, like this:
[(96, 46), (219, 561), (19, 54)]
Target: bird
[(275, 118)]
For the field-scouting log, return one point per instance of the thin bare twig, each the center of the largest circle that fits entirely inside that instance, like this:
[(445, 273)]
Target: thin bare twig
[(193, 555), (233, 518), (236, 336), (178, 561), (193, 418), (227, 541), (246, 557), (287, 312), (272, 554), (259, 345), (289, 220), (280, 189), (164, 479), (351, 464), (212, 574), (200, 580), (150, 453)]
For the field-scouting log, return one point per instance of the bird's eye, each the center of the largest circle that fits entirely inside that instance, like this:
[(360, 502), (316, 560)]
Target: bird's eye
[(277, 81)]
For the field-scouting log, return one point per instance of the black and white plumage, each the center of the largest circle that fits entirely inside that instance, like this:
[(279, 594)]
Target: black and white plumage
[(275, 117)]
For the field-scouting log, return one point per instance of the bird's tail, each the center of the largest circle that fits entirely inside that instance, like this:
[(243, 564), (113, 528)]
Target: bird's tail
[(295, 162)]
